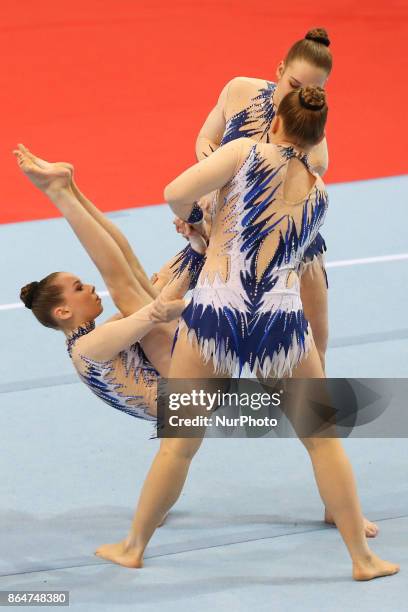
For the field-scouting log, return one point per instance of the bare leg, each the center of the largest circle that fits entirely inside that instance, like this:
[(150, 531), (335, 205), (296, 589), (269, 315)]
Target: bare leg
[(314, 299), (167, 474), (160, 491), (335, 480), (104, 221), (313, 291)]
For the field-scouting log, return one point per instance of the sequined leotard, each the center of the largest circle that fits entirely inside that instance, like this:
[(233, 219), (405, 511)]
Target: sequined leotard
[(246, 311), (254, 121), (128, 382)]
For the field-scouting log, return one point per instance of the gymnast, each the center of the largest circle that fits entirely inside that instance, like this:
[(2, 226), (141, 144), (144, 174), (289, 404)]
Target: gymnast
[(246, 108), (246, 315), (120, 360)]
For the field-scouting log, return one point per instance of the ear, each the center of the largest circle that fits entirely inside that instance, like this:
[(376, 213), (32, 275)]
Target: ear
[(276, 121), (280, 70), (62, 313)]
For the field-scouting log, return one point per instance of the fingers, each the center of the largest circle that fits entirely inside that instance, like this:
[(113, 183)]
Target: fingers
[(182, 227), (166, 311), (157, 311)]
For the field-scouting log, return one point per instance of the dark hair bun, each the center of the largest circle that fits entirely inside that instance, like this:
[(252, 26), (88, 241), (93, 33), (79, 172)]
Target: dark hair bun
[(312, 98), (27, 294), (318, 35)]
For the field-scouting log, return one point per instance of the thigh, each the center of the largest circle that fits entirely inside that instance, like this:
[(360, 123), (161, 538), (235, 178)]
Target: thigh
[(310, 366), (314, 295), (187, 361)]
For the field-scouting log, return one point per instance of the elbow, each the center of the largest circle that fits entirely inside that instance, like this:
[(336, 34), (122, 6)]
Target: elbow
[(169, 195), (174, 197)]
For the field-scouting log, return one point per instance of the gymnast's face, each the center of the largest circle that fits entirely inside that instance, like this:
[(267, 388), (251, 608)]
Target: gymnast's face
[(81, 303), (298, 73)]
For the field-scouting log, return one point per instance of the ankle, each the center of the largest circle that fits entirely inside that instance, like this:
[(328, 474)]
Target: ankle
[(132, 544), (363, 558)]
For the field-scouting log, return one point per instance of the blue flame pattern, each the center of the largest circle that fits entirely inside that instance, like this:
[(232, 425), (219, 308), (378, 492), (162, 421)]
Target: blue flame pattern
[(256, 336), (188, 259), (128, 395), (255, 121)]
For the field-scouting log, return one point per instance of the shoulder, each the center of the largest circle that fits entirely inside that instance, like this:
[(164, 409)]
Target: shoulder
[(271, 152), (248, 85), (239, 146), (83, 342), (240, 94)]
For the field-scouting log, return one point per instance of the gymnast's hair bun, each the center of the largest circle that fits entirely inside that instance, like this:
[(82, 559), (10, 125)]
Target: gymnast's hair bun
[(27, 294), (318, 35), (312, 98)]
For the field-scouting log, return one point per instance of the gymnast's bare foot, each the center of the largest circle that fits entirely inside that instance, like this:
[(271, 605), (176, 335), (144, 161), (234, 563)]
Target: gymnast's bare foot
[(373, 567), (121, 554), (50, 180), (371, 529), (42, 163)]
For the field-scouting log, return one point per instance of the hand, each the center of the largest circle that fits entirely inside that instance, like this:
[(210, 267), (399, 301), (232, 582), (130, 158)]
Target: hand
[(165, 311), (197, 241), (182, 227), (189, 231)]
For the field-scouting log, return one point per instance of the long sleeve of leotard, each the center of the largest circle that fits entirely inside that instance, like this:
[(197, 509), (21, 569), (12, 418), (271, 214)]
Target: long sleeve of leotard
[(207, 175), (108, 340)]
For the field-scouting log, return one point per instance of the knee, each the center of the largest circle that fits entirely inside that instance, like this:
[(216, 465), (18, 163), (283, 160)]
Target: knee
[(180, 448), (317, 445)]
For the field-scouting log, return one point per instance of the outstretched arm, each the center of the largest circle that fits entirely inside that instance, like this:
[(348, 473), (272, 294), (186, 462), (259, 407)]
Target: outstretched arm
[(207, 175), (108, 340)]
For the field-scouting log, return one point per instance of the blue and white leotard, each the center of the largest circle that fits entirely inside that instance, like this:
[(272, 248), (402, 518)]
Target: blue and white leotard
[(246, 311), (254, 121)]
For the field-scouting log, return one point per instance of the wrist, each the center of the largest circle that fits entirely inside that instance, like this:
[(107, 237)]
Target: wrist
[(58, 194), (196, 215)]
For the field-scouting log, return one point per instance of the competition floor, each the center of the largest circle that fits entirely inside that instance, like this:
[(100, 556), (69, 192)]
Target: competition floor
[(247, 531), (96, 84)]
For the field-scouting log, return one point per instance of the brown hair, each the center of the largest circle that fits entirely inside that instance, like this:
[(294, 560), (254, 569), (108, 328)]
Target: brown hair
[(42, 297), (313, 48), (304, 115)]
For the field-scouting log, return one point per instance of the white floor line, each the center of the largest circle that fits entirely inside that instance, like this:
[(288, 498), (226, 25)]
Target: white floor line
[(341, 263)]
